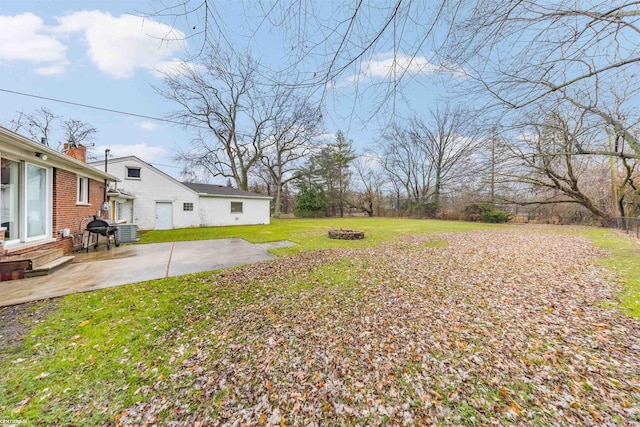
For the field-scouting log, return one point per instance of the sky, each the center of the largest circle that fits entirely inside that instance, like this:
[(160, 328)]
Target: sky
[(103, 54)]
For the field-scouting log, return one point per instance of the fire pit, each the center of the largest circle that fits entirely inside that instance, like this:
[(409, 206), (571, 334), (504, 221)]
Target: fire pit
[(346, 234), (102, 227)]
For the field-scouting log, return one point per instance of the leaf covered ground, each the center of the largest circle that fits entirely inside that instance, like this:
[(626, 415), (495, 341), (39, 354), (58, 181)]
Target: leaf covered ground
[(486, 327), (494, 327)]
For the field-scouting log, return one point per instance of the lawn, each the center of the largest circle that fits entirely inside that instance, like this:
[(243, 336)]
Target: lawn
[(311, 234), (454, 324)]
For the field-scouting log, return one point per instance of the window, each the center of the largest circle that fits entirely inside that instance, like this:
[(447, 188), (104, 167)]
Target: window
[(119, 211), (36, 201), (133, 173), (187, 206), (10, 199), (25, 201), (236, 207), (83, 190)]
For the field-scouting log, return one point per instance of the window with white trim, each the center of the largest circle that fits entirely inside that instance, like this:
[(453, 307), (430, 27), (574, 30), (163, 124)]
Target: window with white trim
[(187, 206), (83, 190), (133, 173), (25, 201), (236, 207), (119, 211)]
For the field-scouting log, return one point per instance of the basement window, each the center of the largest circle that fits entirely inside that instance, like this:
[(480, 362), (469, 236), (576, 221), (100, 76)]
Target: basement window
[(133, 173), (187, 207), (236, 207)]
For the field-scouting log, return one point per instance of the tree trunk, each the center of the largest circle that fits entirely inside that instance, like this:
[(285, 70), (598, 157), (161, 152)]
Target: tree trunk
[(276, 208)]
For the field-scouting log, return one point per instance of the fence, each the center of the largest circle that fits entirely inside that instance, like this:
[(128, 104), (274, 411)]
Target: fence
[(629, 225)]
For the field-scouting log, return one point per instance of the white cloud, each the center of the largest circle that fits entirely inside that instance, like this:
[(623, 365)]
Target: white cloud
[(24, 37), (386, 65), (143, 151), (120, 45), (51, 69), (148, 126)]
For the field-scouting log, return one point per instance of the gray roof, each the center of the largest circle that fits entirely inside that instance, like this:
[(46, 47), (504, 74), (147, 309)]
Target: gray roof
[(221, 190)]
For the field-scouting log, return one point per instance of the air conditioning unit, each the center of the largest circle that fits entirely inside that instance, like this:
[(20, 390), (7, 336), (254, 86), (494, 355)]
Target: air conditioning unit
[(127, 233)]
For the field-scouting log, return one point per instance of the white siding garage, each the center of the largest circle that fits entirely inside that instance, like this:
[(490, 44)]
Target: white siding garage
[(157, 201), (221, 205)]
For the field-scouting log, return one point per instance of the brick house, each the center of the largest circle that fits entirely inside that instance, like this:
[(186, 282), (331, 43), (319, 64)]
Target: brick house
[(44, 195)]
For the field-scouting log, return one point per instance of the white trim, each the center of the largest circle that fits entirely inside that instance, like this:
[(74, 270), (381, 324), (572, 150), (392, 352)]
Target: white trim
[(234, 196), (13, 246), (82, 199), (48, 209), (231, 202)]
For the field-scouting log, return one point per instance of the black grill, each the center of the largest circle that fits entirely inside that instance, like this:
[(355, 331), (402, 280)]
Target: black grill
[(102, 227)]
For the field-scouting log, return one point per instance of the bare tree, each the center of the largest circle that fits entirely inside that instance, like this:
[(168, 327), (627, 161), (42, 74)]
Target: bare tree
[(78, 131), (323, 42), (406, 163), (450, 138), (550, 164), (495, 159), (229, 112), (291, 138), (523, 52), (38, 124), (42, 125), (369, 182)]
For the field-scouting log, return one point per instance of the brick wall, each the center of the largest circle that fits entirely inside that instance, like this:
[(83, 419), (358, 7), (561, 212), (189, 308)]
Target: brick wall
[(66, 213)]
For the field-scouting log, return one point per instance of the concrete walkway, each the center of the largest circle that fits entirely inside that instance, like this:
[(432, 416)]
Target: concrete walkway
[(100, 268)]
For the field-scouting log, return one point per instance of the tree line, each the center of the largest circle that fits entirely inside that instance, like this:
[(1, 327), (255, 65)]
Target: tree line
[(558, 127)]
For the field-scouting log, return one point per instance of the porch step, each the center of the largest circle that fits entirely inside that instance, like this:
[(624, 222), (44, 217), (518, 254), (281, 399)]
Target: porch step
[(47, 268), (38, 258)]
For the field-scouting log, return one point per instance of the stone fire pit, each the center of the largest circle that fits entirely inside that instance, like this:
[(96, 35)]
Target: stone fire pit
[(346, 234)]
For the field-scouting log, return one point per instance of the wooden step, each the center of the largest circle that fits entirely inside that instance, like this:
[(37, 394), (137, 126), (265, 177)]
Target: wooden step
[(47, 268), (38, 258)]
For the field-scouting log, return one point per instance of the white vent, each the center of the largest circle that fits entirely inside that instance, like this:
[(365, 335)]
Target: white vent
[(127, 233)]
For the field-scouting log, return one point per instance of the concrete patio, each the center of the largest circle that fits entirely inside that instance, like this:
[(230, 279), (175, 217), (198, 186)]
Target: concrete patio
[(127, 264)]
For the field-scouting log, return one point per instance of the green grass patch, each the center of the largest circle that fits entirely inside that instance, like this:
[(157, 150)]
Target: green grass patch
[(93, 355), (624, 259), (311, 234)]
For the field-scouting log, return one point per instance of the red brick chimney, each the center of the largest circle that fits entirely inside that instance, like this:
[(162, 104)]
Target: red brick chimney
[(78, 152)]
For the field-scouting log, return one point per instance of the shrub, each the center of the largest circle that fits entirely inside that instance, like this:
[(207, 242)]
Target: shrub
[(491, 214), (472, 212), (484, 212), (425, 210)]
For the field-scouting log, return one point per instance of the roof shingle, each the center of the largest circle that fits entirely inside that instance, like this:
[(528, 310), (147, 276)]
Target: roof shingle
[(221, 190)]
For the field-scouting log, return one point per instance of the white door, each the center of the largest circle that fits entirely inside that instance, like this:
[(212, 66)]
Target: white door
[(164, 215)]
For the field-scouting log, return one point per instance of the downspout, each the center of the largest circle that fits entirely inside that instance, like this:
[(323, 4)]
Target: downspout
[(106, 154), (104, 201)]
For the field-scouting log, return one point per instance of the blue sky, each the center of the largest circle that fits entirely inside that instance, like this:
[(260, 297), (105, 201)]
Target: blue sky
[(101, 54)]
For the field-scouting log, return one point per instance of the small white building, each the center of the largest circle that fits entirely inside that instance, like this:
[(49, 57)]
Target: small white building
[(153, 200)]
